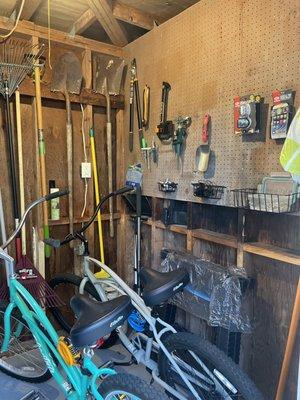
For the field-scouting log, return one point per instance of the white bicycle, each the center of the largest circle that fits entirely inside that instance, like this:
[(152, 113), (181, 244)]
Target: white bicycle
[(185, 365)]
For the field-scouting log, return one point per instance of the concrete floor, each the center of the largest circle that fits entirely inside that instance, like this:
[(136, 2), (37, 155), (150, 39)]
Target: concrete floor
[(13, 389)]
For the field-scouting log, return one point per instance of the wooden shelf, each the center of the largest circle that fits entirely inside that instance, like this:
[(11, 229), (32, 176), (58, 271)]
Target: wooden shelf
[(215, 237), (65, 221), (273, 252)]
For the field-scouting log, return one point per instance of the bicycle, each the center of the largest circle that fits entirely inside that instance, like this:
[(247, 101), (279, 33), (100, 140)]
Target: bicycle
[(185, 365), (31, 350)]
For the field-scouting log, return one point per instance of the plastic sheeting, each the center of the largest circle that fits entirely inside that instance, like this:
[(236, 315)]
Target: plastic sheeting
[(214, 292)]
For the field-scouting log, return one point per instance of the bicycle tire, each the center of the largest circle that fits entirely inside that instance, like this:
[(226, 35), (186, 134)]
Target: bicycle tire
[(217, 360), (9, 369), (131, 385), (57, 313)]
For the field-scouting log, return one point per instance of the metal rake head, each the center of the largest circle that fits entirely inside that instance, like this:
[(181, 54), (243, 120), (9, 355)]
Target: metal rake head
[(17, 59)]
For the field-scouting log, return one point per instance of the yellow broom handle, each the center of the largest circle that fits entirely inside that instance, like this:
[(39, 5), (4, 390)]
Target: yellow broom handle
[(97, 196)]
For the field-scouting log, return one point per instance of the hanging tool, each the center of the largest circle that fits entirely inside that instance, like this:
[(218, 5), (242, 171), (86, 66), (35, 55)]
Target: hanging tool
[(290, 345), (146, 106), (203, 151), (131, 104), (143, 143), (67, 78), (23, 262), (179, 136), (41, 143), (97, 197), (165, 129), (17, 60), (109, 160)]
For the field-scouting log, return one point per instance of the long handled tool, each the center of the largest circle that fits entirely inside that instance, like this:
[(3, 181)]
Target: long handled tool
[(97, 196), (109, 159), (41, 144), (17, 59), (24, 262), (67, 78), (290, 345)]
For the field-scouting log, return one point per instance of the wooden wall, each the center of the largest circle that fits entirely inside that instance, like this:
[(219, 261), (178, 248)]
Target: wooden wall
[(210, 53), (54, 117)]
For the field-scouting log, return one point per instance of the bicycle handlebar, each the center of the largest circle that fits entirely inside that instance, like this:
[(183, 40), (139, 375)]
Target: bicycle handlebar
[(48, 197), (56, 243)]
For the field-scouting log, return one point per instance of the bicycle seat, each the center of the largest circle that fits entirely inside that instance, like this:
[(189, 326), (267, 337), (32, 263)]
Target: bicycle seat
[(160, 286), (96, 319)]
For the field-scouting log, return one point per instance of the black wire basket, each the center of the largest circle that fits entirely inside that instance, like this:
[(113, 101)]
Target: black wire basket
[(267, 202), (208, 190)]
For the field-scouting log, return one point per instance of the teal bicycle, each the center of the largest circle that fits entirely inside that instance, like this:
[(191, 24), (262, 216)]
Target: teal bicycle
[(31, 349)]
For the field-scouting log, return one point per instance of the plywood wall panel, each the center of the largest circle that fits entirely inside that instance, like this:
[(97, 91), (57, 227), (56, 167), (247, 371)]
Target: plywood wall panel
[(210, 53)]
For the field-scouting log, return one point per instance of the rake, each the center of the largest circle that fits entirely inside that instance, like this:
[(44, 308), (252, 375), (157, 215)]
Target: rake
[(17, 59)]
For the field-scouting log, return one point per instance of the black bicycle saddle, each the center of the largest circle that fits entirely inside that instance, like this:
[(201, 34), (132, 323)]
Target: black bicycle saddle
[(158, 287), (96, 319)]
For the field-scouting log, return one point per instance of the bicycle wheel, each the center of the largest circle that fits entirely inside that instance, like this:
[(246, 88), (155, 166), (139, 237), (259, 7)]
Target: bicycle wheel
[(23, 359), (224, 378), (66, 286), (128, 387)]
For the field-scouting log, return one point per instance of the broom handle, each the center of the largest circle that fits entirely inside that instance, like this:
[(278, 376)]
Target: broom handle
[(37, 78), (290, 345), (21, 167), (97, 196), (109, 160)]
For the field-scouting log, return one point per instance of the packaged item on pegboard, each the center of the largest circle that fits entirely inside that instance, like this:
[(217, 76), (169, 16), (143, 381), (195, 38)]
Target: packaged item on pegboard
[(215, 294), (247, 114), (281, 113)]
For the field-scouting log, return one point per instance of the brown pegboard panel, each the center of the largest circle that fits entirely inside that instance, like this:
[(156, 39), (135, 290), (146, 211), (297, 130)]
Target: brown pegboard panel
[(210, 53)]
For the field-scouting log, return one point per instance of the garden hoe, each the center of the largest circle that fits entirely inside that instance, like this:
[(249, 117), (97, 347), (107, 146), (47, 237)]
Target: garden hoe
[(67, 78)]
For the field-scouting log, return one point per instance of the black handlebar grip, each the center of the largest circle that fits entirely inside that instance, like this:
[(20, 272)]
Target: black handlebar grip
[(123, 190), (54, 195), (52, 242)]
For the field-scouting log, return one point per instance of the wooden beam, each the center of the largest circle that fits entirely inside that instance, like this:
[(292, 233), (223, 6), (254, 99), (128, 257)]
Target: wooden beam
[(30, 8), (103, 12), (273, 252), (30, 29), (133, 16), (87, 96), (83, 22)]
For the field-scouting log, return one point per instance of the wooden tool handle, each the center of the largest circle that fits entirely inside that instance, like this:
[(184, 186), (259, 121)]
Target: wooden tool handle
[(21, 167), (70, 174), (146, 102), (290, 345), (41, 142), (110, 179)]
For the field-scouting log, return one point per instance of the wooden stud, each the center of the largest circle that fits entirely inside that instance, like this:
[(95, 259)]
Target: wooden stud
[(30, 29), (189, 241), (83, 22), (104, 14), (134, 17)]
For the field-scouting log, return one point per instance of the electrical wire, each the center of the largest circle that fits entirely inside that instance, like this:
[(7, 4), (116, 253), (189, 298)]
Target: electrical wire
[(3, 37), (85, 160), (49, 32)]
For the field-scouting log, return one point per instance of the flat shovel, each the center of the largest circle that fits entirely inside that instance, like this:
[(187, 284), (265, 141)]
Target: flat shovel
[(67, 78)]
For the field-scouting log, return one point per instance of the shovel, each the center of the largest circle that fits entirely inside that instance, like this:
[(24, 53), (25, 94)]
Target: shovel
[(67, 78)]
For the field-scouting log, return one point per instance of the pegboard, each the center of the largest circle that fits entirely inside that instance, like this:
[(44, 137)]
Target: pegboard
[(210, 53)]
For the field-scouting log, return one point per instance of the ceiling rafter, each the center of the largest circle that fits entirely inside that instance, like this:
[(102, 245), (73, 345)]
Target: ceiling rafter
[(134, 17), (104, 14), (30, 8), (83, 22)]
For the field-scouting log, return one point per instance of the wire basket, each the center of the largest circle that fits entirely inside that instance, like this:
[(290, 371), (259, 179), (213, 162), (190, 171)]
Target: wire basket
[(268, 202), (208, 190)]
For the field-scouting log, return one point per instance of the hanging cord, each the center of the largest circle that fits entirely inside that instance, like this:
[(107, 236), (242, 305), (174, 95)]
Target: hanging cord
[(3, 37), (85, 160), (49, 33)]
